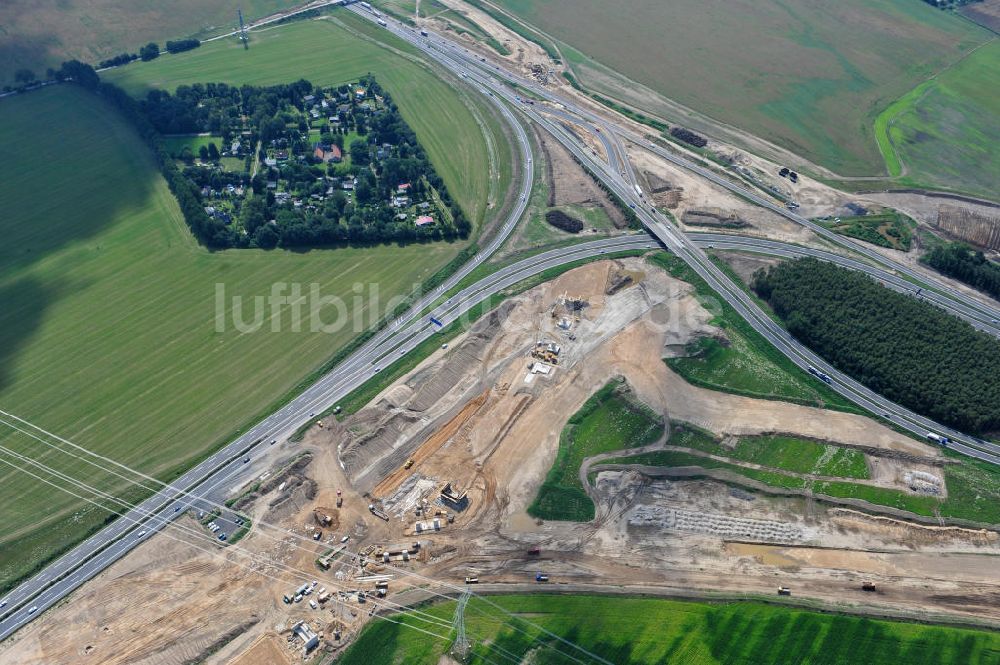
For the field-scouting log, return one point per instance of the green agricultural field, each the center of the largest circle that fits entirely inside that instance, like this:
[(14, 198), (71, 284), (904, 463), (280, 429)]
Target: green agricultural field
[(746, 364), (448, 120), (108, 330), (809, 75), (610, 420), (38, 35), (644, 631), (945, 131)]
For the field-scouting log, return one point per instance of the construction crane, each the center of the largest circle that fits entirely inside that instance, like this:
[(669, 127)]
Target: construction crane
[(243, 30)]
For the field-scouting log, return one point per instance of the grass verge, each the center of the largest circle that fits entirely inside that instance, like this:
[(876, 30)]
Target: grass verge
[(973, 487), (611, 419), (745, 363)]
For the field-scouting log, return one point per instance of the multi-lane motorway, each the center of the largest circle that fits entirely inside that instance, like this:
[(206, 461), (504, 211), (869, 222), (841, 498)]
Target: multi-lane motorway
[(226, 468), (459, 59)]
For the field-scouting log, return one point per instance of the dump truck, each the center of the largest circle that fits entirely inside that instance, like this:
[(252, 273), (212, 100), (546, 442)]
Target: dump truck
[(409, 463), (784, 591), (472, 580)]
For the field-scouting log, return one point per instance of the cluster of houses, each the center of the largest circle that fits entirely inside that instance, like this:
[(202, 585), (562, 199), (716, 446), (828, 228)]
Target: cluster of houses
[(400, 199), (222, 210), (337, 107)]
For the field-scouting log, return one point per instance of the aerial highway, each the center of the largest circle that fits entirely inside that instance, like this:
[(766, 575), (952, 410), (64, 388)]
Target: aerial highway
[(139, 526), (226, 467), (282, 422), (619, 166), (461, 60), (886, 277)]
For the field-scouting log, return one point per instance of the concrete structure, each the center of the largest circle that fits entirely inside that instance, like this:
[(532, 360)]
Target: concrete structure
[(310, 640)]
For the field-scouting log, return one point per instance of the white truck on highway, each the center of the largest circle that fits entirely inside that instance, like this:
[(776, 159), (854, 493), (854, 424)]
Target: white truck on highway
[(822, 376), (938, 439)]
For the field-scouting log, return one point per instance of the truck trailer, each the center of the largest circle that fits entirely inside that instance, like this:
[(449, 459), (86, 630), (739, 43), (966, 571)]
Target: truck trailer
[(937, 438)]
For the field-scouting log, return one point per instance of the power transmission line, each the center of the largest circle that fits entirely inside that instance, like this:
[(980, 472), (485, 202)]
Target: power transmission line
[(383, 603), (511, 618)]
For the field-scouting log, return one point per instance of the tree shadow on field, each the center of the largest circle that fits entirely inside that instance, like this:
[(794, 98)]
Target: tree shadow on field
[(80, 168), (34, 52), (74, 169), (22, 308)]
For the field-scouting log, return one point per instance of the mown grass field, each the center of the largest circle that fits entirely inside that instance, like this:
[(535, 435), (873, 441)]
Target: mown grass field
[(108, 326), (176, 144), (692, 437), (945, 131), (38, 35), (747, 364), (808, 75), (644, 631), (448, 120), (610, 420), (799, 455)]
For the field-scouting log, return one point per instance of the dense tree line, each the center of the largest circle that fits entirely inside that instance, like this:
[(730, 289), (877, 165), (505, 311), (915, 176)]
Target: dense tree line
[(950, 4), (211, 232), (689, 137), (561, 220), (217, 108), (149, 52), (77, 72), (181, 45), (901, 347), (119, 60), (208, 230), (972, 267)]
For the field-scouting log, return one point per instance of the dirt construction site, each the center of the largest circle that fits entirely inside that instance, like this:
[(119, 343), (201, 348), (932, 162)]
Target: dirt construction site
[(434, 476)]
